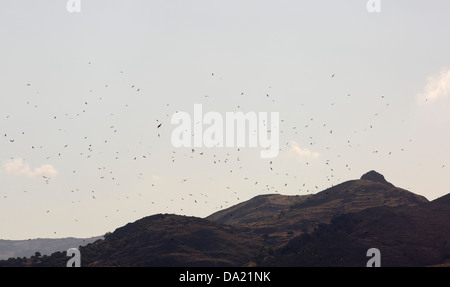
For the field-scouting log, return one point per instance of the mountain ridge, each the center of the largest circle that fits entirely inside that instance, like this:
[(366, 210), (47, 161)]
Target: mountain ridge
[(305, 212), (45, 246)]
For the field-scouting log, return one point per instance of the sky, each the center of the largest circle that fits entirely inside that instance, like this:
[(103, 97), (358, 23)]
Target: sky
[(87, 98)]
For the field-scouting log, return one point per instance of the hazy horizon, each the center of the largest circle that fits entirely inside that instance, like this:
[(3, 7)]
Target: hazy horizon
[(86, 101)]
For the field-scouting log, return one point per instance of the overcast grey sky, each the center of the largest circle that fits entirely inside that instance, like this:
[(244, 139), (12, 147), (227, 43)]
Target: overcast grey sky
[(82, 94)]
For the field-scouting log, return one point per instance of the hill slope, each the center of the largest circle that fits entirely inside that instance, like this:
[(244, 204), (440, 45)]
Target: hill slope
[(167, 241), (405, 236)]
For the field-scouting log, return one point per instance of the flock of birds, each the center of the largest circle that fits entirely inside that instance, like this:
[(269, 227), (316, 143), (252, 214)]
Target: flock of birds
[(93, 152)]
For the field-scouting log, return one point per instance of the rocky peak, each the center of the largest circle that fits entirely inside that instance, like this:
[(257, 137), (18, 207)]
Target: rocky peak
[(376, 177)]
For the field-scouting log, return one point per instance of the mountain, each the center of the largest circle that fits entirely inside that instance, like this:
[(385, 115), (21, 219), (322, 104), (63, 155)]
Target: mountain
[(45, 246), (282, 217), (164, 240), (173, 240), (334, 227), (406, 236)]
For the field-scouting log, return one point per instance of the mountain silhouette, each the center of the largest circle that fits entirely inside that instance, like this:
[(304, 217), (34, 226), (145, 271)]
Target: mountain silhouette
[(334, 227), (278, 215), (405, 235), (45, 246)]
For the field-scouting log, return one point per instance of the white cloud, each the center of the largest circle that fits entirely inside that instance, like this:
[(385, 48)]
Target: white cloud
[(438, 86), (46, 170), (302, 152), (20, 167)]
